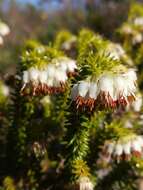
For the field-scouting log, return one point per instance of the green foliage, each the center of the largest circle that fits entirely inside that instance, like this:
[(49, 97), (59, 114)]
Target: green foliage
[(80, 169), (37, 55), (93, 57), (79, 142)]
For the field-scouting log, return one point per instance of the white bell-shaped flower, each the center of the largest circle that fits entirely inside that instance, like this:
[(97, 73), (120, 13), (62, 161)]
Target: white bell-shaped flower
[(105, 84), (110, 147), (51, 70), (63, 65), (50, 82), (43, 77), (119, 86), (127, 148), (83, 88), (93, 90), (60, 75), (118, 149), (71, 66), (33, 74)]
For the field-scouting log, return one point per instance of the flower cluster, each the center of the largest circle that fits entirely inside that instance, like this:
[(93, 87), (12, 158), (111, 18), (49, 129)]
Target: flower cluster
[(133, 29), (85, 184), (4, 30), (50, 80), (135, 35), (108, 91), (116, 51), (124, 148)]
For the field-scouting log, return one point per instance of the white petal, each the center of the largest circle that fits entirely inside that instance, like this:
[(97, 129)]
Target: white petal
[(131, 88), (33, 74), (63, 66), (43, 76), (71, 65), (83, 88), (131, 75), (50, 82), (106, 84), (60, 75), (25, 76), (119, 84), (118, 149), (120, 87), (51, 70), (93, 90), (127, 148), (110, 148)]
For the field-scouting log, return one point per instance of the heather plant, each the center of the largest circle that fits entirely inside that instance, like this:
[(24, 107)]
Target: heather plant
[(75, 113)]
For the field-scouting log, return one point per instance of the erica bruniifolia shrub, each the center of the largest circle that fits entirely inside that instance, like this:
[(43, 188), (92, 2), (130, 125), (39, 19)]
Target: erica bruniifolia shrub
[(75, 121)]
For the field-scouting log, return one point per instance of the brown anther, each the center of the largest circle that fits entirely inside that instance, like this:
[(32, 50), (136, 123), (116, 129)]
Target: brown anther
[(90, 103), (79, 101)]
